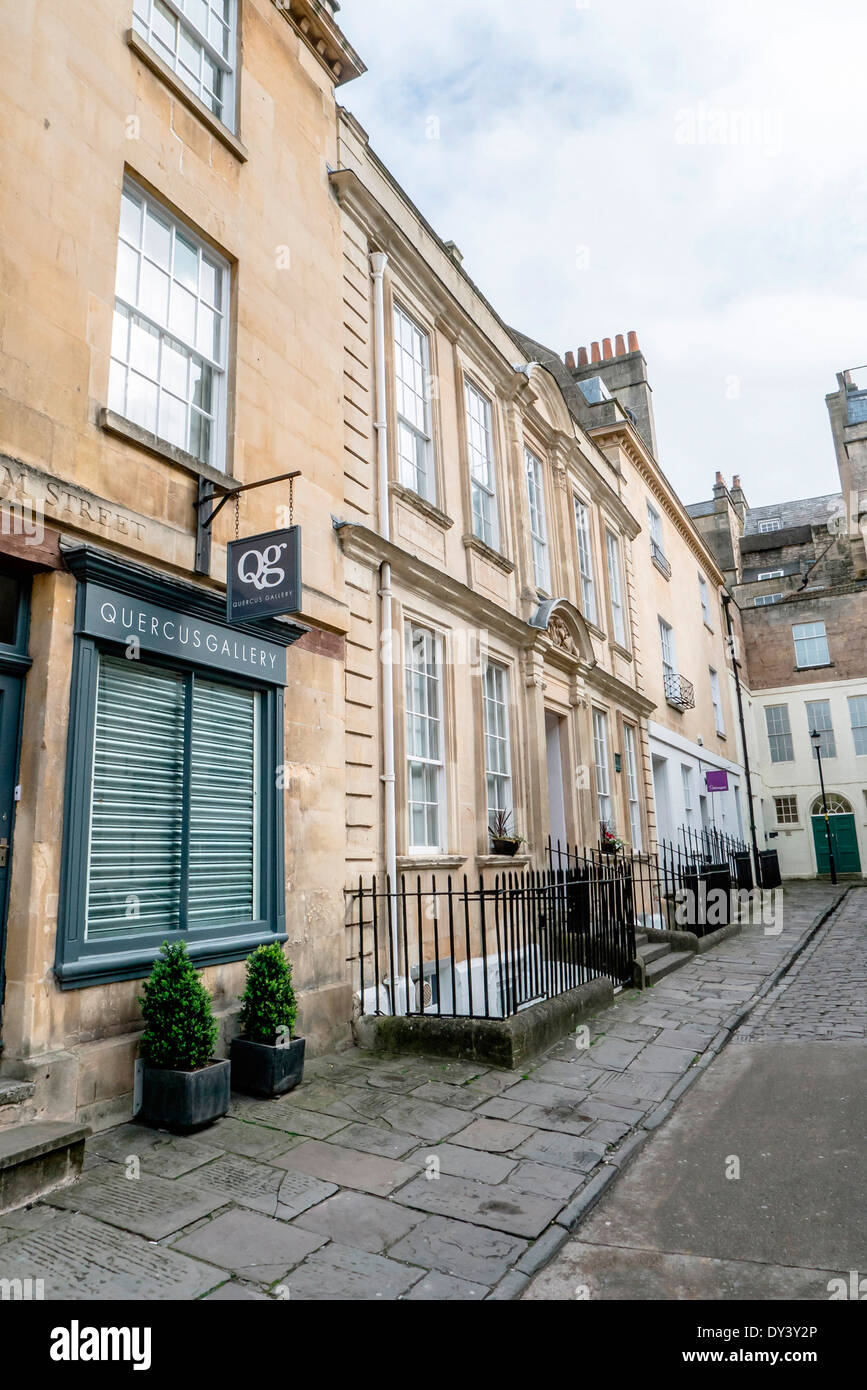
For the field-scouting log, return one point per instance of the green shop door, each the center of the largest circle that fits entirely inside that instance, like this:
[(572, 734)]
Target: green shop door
[(845, 842)]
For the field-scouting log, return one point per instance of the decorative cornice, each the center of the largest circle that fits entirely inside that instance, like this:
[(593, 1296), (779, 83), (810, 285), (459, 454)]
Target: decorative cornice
[(314, 24)]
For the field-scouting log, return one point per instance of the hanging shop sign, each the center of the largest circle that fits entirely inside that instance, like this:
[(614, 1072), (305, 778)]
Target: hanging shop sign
[(717, 780), (149, 627), (263, 575)]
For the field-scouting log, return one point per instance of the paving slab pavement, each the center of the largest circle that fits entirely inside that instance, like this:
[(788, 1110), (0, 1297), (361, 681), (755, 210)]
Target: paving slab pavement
[(413, 1178)]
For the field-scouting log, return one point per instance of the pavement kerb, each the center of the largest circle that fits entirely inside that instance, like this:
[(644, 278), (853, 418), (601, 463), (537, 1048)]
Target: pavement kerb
[(546, 1246)]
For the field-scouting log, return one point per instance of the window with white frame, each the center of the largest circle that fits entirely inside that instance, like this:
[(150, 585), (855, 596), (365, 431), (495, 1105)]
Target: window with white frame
[(412, 373), (168, 346), (615, 587), (811, 644), (198, 40), (603, 774), (631, 760), (716, 701), (497, 755), (585, 560), (704, 597), (779, 733), (669, 657), (786, 808), (771, 523), (819, 720), (538, 522), (424, 739), (480, 443), (686, 779), (654, 526), (769, 574), (764, 600), (858, 719)]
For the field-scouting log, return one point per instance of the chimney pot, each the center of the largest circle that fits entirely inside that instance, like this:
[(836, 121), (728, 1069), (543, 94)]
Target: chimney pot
[(594, 353), (582, 357), (619, 345), (719, 478), (606, 348), (633, 341), (569, 359), (736, 480)]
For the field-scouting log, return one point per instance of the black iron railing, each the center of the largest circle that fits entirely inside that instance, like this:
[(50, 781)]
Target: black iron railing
[(491, 948), (660, 558), (679, 691)]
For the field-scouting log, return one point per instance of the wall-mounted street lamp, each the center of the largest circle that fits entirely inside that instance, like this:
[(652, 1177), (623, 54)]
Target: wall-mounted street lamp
[(816, 740)]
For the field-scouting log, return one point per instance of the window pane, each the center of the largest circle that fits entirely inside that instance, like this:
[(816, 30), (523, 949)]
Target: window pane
[(141, 402), (223, 805), (137, 801), (144, 348), (154, 293), (186, 266), (126, 281)]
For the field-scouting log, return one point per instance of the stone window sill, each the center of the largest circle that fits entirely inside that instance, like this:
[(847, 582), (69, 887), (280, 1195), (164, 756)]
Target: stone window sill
[(421, 504), (406, 863), (822, 666), (502, 861), (621, 651), (488, 553), (183, 93), (133, 434)]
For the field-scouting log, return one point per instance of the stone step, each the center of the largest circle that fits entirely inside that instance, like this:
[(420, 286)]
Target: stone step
[(14, 1092), (672, 960), (37, 1158), (653, 950), (640, 937)]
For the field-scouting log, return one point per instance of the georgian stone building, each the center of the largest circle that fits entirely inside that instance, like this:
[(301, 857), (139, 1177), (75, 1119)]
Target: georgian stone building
[(491, 650), (680, 649), (172, 327)]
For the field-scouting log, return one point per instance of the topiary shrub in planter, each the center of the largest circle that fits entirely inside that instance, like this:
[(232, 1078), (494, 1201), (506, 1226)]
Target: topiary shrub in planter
[(267, 1060), (184, 1085)]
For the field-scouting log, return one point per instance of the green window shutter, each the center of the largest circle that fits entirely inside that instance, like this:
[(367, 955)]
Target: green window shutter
[(134, 868), (223, 805)]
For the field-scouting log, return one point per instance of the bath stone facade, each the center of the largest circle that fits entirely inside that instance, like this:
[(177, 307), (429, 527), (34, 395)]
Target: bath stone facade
[(172, 327)]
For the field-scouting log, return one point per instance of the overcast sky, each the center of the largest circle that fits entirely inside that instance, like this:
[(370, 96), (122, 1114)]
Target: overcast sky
[(693, 169)]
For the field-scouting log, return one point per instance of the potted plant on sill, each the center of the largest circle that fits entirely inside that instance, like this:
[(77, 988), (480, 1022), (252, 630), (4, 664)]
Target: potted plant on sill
[(609, 843), (502, 839), (184, 1086), (267, 1060)]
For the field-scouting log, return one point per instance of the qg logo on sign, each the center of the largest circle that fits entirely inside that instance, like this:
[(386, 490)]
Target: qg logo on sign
[(264, 575)]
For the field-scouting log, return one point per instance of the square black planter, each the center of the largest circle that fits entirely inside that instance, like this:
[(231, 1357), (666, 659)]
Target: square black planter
[(261, 1069), (185, 1100)]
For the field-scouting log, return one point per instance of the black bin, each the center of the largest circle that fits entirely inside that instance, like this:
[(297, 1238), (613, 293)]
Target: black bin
[(769, 863), (743, 869)]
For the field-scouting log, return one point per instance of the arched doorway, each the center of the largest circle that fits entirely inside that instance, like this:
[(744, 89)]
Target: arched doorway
[(844, 838)]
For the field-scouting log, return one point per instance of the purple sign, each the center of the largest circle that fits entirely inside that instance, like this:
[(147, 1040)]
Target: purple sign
[(717, 781)]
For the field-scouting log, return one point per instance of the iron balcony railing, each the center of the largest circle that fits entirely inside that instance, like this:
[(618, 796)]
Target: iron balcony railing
[(659, 558), (679, 692)]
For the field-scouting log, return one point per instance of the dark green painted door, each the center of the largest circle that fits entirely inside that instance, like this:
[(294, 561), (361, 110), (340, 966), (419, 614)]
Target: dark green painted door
[(11, 688), (845, 841)]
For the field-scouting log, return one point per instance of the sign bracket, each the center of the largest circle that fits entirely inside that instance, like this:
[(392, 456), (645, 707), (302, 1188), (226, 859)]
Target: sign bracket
[(206, 495)]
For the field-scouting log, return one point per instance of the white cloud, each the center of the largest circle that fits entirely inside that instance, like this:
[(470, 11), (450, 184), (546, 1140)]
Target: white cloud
[(708, 156)]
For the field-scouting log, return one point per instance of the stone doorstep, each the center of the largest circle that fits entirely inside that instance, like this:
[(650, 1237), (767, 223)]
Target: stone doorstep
[(38, 1158)]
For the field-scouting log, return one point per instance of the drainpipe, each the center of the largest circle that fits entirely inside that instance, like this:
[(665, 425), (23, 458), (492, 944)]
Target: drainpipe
[(378, 262), (726, 599)]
